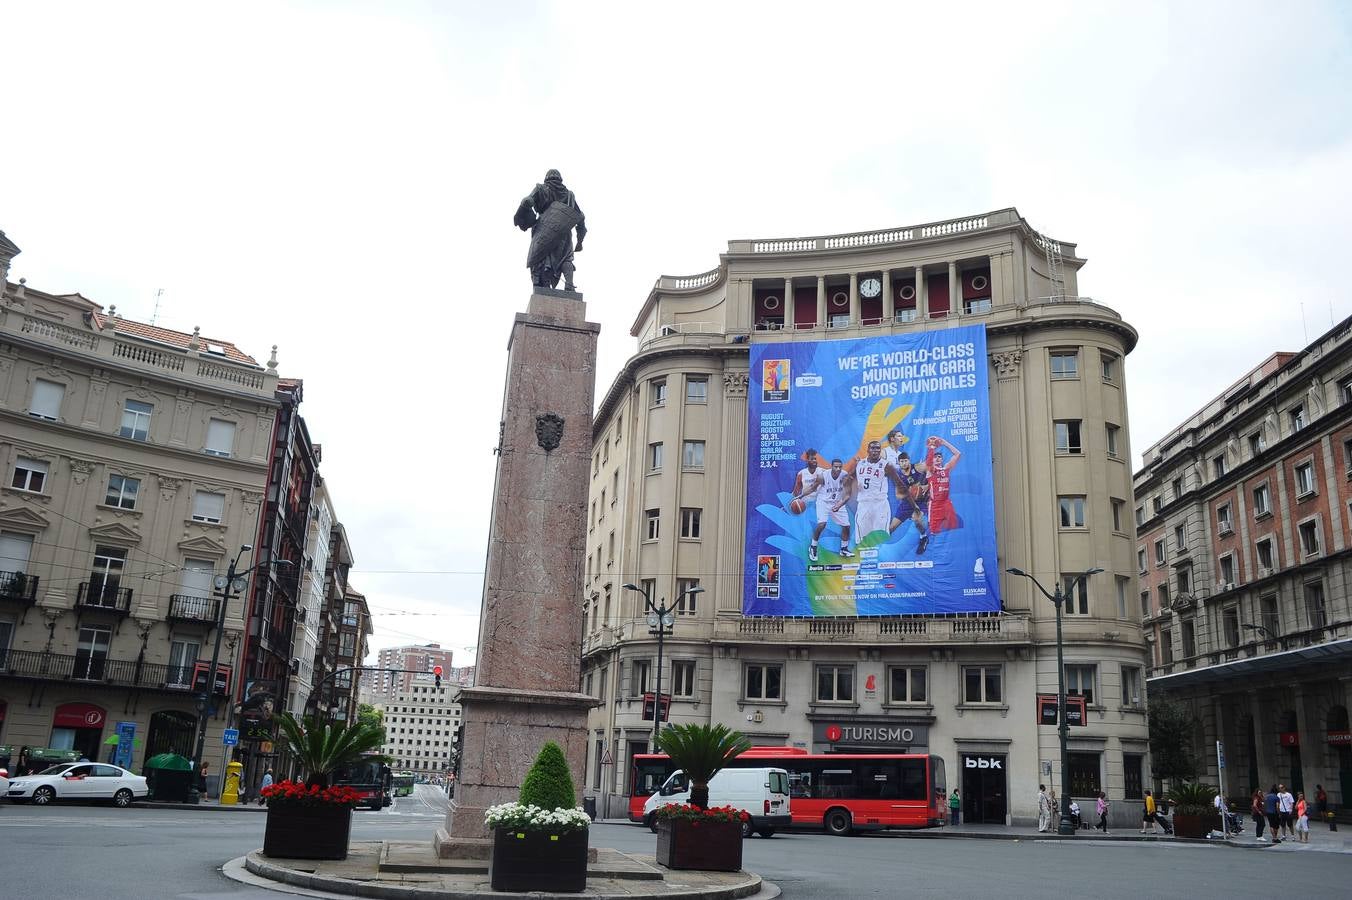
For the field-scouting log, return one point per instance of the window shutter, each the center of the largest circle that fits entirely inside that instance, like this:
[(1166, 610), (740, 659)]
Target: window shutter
[(220, 437), (208, 507), (47, 396)]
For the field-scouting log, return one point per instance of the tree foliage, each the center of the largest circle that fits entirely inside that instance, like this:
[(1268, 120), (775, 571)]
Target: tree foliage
[(1171, 747), (319, 749), (549, 784), (369, 715), (701, 751)]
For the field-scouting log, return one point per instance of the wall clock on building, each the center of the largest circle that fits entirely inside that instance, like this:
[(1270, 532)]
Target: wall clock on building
[(870, 287)]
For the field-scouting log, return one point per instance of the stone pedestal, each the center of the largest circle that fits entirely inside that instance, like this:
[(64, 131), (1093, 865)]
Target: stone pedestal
[(527, 669)]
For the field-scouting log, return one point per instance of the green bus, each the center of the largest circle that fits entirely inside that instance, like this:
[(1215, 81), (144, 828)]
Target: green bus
[(403, 784)]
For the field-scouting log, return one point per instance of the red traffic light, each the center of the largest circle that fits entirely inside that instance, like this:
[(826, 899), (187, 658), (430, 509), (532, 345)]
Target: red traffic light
[(436, 670)]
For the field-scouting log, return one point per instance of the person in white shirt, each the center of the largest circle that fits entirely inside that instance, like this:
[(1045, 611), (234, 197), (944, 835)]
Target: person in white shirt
[(1286, 805)]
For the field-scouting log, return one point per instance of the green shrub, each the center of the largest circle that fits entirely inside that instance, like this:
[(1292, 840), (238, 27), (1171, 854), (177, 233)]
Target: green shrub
[(701, 751), (548, 784), (1194, 798)]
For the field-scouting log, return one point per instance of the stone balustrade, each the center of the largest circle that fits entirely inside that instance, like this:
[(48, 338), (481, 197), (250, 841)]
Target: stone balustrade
[(967, 630)]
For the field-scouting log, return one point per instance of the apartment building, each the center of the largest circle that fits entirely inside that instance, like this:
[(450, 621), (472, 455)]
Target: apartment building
[(421, 724), (669, 512), (135, 464), (412, 659), (1244, 521)]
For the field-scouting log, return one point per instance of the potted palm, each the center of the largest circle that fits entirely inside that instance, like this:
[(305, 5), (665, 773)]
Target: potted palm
[(540, 841), (312, 819), (1195, 813), (693, 836)]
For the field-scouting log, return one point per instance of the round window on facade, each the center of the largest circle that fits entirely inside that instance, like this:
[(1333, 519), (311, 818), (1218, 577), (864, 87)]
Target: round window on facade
[(980, 282), (907, 292), (840, 300), (771, 302)]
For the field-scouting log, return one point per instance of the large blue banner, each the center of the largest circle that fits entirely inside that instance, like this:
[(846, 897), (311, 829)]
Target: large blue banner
[(869, 477)]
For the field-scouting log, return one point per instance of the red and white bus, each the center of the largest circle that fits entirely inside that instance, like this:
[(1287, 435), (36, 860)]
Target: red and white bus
[(841, 792)]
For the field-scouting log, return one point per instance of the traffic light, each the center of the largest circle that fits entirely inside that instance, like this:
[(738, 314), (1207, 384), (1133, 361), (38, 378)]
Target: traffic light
[(436, 673)]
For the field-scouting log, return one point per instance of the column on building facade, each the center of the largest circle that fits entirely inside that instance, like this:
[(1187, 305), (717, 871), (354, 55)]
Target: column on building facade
[(1262, 740), (854, 298), (822, 321), (889, 302), (954, 291), (731, 535), (999, 293), (790, 305), (921, 295)]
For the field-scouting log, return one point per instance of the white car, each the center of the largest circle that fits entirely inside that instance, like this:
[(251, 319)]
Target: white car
[(4, 783), (79, 781)]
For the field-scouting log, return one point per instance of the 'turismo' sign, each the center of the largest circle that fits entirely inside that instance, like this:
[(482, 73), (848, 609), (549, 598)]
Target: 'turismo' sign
[(884, 734)]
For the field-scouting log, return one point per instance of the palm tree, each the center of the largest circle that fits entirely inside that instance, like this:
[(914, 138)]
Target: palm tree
[(701, 751), (320, 749)]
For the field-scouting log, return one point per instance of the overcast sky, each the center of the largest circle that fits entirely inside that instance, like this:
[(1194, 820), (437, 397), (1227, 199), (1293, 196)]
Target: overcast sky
[(339, 179)]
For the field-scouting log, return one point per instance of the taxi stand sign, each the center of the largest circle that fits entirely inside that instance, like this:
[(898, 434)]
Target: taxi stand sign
[(230, 737)]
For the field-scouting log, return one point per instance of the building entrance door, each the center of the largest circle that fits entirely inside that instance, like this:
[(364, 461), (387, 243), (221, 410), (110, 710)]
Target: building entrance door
[(985, 789)]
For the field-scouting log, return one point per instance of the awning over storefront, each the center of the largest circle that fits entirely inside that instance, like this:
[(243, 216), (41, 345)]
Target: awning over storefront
[(1333, 652)]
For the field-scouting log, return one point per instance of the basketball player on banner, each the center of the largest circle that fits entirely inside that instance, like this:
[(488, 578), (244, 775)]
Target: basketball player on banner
[(833, 491), (805, 482)]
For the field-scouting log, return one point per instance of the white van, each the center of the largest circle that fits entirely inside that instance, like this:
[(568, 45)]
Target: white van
[(763, 793)]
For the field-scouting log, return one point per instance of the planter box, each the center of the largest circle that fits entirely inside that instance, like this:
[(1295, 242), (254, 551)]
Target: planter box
[(307, 832), (713, 846), (533, 861), (1190, 826)]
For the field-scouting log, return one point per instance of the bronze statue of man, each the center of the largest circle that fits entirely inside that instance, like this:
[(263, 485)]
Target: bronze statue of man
[(550, 213)]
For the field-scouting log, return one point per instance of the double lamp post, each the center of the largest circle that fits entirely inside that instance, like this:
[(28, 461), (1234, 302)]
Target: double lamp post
[(660, 618), (1065, 826)]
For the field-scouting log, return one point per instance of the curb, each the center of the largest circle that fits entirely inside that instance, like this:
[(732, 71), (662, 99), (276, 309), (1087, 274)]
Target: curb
[(1067, 838), (255, 863), (198, 807)]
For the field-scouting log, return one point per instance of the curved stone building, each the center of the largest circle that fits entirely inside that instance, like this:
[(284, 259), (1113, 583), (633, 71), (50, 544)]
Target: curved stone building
[(668, 511)]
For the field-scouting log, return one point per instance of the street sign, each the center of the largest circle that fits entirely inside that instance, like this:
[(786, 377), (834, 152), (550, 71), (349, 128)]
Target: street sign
[(607, 759), (230, 737)]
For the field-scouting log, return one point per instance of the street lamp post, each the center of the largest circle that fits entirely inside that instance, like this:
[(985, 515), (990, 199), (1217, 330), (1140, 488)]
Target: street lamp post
[(660, 617), (234, 581), (1065, 826)]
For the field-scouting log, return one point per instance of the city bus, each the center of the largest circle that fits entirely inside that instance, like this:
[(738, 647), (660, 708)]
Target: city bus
[(402, 784), (369, 777), (841, 792)]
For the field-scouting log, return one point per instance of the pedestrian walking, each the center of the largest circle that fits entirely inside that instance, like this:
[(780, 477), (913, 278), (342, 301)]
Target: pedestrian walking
[(1148, 814), (1302, 819), (202, 782), (1053, 810), (267, 783), (1043, 804), (1321, 803), (1101, 807), (1286, 808), (954, 809), (1256, 810), (1274, 817)]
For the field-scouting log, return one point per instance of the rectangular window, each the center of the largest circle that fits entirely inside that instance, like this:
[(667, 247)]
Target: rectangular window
[(1131, 686), (683, 678), (1119, 508), (1163, 592), (615, 487), (105, 577), (1159, 552), (208, 507), (1218, 467), (1297, 418), (1085, 778), (1065, 364), (1315, 611), (1223, 521), (1140, 515), (619, 429), (1189, 639), (603, 505), (136, 420), (1157, 502), (1080, 680), (1166, 647), (692, 455), (1178, 488), (649, 586), (982, 684), (1180, 538), (907, 684), (1108, 364), (29, 475), (1111, 434), (220, 438), (1145, 604), (1257, 443), (1230, 625), (1227, 570), (1265, 557), (655, 456), (1272, 619), (1068, 436), (686, 596), (46, 401), (1133, 781), (652, 520), (1140, 560), (659, 391), (1261, 505), (610, 549), (122, 491), (696, 390), (835, 684), (1075, 588), (1309, 537), (91, 652), (1304, 479), (764, 681), (642, 670), (1072, 512), (1122, 582)]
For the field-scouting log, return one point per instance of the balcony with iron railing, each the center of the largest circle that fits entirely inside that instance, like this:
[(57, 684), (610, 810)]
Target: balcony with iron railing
[(191, 608), (17, 587), (103, 597), (94, 668), (1268, 645)]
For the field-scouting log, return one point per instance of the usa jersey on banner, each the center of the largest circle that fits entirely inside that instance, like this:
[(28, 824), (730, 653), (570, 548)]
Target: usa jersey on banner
[(869, 477)]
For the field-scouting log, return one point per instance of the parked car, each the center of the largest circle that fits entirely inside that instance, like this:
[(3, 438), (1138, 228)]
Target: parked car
[(4, 783), (761, 793), (79, 781)]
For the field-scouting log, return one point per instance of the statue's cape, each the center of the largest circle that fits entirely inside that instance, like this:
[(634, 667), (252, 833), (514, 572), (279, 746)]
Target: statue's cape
[(555, 226)]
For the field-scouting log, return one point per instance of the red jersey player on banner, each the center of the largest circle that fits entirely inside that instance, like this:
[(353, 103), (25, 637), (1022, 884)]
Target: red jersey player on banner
[(941, 513)]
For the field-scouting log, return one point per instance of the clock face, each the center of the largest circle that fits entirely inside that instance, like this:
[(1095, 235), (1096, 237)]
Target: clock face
[(870, 287)]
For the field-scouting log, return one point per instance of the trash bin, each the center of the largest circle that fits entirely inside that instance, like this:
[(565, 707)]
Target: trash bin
[(170, 777), (589, 807)]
